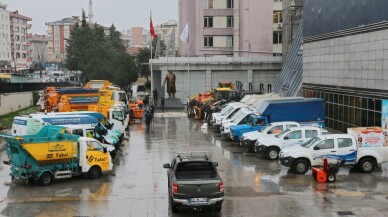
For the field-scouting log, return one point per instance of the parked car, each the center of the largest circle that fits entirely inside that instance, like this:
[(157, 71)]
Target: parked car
[(193, 181)]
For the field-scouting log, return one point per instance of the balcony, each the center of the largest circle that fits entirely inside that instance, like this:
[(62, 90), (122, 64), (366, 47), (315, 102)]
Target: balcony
[(28, 26)]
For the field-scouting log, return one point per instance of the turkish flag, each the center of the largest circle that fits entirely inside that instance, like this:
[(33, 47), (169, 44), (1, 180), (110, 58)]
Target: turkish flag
[(152, 30)]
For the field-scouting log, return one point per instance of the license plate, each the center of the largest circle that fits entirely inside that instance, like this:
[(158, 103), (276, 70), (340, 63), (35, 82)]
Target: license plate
[(198, 200)]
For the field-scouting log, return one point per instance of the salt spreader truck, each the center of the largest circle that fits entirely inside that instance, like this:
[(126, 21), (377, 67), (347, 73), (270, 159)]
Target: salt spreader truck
[(52, 154), (305, 110)]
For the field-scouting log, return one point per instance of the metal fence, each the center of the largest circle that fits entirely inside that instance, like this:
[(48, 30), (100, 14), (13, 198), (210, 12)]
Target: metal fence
[(26, 87)]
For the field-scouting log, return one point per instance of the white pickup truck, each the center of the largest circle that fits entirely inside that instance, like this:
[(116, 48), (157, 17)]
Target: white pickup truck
[(241, 117), (341, 147), (271, 146), (248, 139), (233, 109)]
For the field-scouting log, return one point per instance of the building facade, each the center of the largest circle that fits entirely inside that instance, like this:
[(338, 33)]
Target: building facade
[(292, 16), (5, 38), (345, 60), (277, 26), (165, 31), (57, 34), (38, 48), (139, 37), (227, 27), (19, 27)]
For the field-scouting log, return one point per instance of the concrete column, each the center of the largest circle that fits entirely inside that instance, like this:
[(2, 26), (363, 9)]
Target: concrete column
[(164, 90), (250, 78), (208, 79)]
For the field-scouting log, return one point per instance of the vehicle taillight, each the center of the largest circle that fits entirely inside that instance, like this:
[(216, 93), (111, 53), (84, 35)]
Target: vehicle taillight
[(175, 187), (221, 186)]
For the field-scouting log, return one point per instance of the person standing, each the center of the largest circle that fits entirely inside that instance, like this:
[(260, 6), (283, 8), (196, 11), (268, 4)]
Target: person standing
[(155, 95), (140, 103), (148, 119), (162, 103)]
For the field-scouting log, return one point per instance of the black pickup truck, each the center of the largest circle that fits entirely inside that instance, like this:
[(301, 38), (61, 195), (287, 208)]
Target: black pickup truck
[(193, 182)]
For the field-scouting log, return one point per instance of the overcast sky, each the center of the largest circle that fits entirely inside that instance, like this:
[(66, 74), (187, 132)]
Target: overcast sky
[(124, 14)]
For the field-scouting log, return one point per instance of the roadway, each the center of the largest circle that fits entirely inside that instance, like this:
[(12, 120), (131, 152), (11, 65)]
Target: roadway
[(254, 186)]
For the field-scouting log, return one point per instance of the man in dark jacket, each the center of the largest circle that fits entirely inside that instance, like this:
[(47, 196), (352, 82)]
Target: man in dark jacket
[(148, 119)]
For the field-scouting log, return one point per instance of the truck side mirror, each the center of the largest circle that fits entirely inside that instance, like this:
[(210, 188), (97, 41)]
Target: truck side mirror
[(316, 148), (269, 132), (105, 149), (166, 166), (286, 138), (215, 164)]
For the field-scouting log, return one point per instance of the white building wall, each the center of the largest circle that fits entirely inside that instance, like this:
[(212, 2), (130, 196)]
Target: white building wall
[(359, 61), (5, 36), (14, 101)]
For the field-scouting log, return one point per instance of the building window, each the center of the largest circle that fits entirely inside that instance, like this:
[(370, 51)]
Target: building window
[(230, 22), (229, 41), (208, 22), (23, 47), (277, 17), (277, 0), (208, 41), (24, 56), (17, 38), (23, 39), (17, 55), (16, 29), (277, 38), (229, 4), (207, 4), (18, 47), (23, 30)]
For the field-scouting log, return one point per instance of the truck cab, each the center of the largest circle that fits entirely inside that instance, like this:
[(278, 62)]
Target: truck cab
[(339, 147), (240, 118), (271, 146), (230, 113), (248, 139), (254, 123)]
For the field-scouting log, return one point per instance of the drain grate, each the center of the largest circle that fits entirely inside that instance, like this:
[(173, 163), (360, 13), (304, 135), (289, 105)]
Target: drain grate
[(345, 213)]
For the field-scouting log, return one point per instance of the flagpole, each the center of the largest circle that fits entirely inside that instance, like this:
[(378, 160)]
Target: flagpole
[(152, 71), (188, 65)]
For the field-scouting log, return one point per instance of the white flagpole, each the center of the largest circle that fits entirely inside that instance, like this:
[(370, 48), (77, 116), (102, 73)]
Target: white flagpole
[(152, 71), (188, 65)]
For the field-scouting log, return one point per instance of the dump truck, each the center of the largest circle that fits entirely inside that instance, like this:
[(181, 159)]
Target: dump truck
[(53, 154)]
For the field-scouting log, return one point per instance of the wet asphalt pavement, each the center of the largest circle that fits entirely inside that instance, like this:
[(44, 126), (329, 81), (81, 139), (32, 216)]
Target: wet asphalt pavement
[(254, 186)]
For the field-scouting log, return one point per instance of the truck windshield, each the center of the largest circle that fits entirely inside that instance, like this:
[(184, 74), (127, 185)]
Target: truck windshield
[(280, 135), (311, 142), (237, 115), (240, 117), (118, 115), (226, 109), (195, 170)]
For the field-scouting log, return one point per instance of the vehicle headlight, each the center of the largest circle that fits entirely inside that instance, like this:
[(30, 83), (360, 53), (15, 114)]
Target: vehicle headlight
[(285, 154), (257, 143)]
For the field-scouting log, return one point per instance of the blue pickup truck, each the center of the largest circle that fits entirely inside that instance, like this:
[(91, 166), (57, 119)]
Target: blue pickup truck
[(299, 110)]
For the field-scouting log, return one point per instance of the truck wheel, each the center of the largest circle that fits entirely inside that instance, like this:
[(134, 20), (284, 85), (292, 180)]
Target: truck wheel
[(218, 208), (300, 166), (273, 153), (251, 148), (331, 178), (174, 208), (45, 179), (94, 172), (367, 165)]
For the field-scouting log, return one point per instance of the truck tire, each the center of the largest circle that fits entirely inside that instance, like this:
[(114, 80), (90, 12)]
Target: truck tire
[(174, 208), (217, 208), (367, 165), (94, 172), (273, 153), (300, 166), (45, 179)]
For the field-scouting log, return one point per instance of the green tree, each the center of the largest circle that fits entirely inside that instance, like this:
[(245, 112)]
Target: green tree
[(144, 55), (99, 56)]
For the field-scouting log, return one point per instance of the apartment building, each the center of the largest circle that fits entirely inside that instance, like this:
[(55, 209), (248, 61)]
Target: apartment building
[(5, 37), (228, 27), (38, 47), (57, 34), (277, 26), (20, 46)]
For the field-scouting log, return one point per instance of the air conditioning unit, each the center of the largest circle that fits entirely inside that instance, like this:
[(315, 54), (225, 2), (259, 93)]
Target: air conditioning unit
[(280, 25)]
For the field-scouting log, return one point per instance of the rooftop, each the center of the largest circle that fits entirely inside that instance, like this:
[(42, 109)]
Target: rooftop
[(17, 15)]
